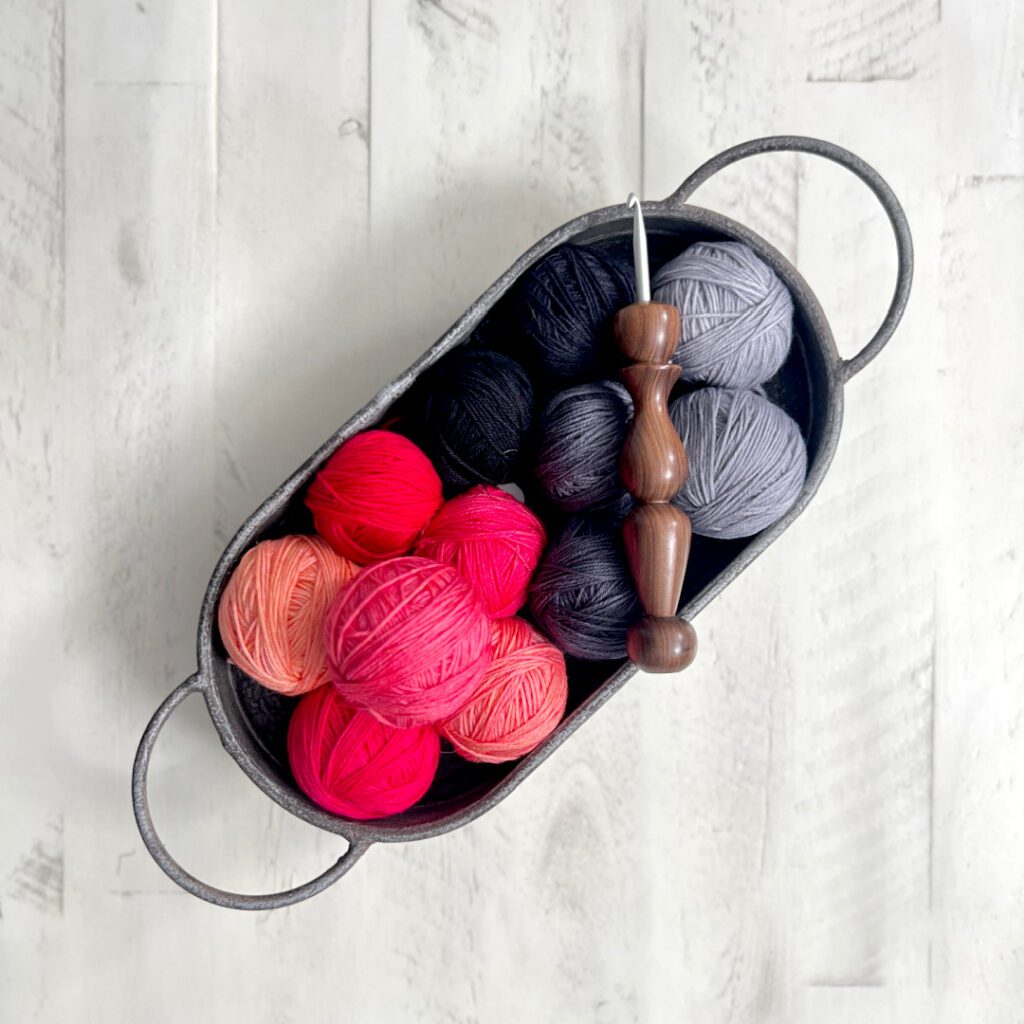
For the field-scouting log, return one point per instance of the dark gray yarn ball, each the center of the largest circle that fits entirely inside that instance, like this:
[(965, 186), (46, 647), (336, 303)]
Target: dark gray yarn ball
[(475, 410), (737, 316), (580, 437), (582, 595), (747, 461)]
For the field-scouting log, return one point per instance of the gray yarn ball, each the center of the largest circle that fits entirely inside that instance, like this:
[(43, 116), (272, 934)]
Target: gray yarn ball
[(737, 316), (747, 461), (582, 594), (581, 433)]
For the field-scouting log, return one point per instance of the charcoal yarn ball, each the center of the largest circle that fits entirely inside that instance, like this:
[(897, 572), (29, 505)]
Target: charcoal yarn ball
[(475, 410), (580, 437), (582, 595), (737, 316), (565, 305), (747, 461)]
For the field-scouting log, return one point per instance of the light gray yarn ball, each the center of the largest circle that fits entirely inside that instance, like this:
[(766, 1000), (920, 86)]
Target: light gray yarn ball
[(747, 461), (737, 316)]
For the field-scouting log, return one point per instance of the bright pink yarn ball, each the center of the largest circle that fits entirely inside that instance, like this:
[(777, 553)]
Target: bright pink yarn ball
[(348, 763), (493, 540), (519, 701), (407, 640), (374, 496)]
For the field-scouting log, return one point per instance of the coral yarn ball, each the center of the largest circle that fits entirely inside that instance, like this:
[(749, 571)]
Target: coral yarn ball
[(374, 496), (271, 614), (408, 641), (519, 701), (349, 763), (493, 540)]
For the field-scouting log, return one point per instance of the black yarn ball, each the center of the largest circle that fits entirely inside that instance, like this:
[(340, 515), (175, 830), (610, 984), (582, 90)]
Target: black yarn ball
[(474, 411), (582, 594), (565, 305), (581, 433)]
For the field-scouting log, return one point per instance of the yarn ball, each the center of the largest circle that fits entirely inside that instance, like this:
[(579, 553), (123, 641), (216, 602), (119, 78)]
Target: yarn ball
[(271, 614), (565, 305), (580, 437), (519, 701), (407, 640), (374, 496), (348, 763), (747, 461), (475, 409), (737, 316), (582, 594), (493, 540)]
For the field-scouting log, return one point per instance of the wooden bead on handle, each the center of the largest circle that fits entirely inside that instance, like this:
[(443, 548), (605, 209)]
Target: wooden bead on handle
[(653, 468)]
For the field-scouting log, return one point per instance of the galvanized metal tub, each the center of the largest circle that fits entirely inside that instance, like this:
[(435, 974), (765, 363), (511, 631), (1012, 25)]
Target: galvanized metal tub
[(251, 721)]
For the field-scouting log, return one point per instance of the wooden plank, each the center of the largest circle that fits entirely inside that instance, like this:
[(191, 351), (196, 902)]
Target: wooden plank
[(34, 544), (979, 829), (294, 359)]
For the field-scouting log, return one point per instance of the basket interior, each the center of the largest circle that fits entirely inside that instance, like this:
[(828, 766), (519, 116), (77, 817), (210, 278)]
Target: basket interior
[(260, 718)]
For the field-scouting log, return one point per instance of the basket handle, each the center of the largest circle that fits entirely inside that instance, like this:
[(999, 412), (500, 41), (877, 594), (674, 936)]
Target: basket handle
[(220, 897), (871, 178)]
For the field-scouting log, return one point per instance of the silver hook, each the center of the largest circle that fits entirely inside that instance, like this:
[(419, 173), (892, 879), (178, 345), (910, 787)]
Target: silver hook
[(640, 265)]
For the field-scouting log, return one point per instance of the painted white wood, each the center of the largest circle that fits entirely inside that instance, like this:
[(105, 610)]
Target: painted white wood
[(225, 225)]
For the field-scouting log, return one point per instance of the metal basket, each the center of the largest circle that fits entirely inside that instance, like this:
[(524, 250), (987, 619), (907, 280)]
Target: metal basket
[(250, 721)]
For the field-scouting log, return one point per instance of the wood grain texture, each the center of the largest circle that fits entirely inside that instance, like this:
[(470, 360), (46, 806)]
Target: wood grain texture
[(205, 208)]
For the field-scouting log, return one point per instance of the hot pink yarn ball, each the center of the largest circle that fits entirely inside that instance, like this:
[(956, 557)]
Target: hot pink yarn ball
[(374, 496), (519, 701), (407, 640), (271, 614), (493, 540), (348, 763)]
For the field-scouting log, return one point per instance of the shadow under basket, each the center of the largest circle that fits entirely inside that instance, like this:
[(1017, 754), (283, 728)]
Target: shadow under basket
[(252, 721)]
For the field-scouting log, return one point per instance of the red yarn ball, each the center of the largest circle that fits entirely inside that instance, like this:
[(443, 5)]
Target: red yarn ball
[(407, 640), (519, 701), (348, 763), (374, 496), (493, 540)]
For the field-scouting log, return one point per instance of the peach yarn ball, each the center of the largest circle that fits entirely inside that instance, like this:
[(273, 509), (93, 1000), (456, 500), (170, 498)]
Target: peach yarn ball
[(271, 614), (518, 703)]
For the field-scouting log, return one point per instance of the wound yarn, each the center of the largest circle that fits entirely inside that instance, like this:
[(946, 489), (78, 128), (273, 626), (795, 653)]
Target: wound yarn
[(581, 433), (747, 461), (737, 316), (374, 496), (565, 304), (474, 409), (271, 614), (407, 640), (519, 701), (582, 594), (349, 763), (493, 540)]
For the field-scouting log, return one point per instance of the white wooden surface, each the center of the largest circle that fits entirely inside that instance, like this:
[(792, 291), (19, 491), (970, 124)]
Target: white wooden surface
[(224, 225)]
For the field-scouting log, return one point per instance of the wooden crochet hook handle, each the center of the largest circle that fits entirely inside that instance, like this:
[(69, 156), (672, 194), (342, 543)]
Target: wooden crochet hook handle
[(653, 468)]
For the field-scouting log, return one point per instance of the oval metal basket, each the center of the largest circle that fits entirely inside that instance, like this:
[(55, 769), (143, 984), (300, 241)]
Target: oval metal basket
[(251, 721)]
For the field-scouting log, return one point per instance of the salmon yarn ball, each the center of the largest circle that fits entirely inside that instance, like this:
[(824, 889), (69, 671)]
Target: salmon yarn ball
[(374, 496), (348, 763), (493, 540), (271, 614), (408, 641), (519, 701)]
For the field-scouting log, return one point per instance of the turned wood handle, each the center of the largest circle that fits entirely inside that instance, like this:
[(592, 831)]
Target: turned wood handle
[(653, 468)]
